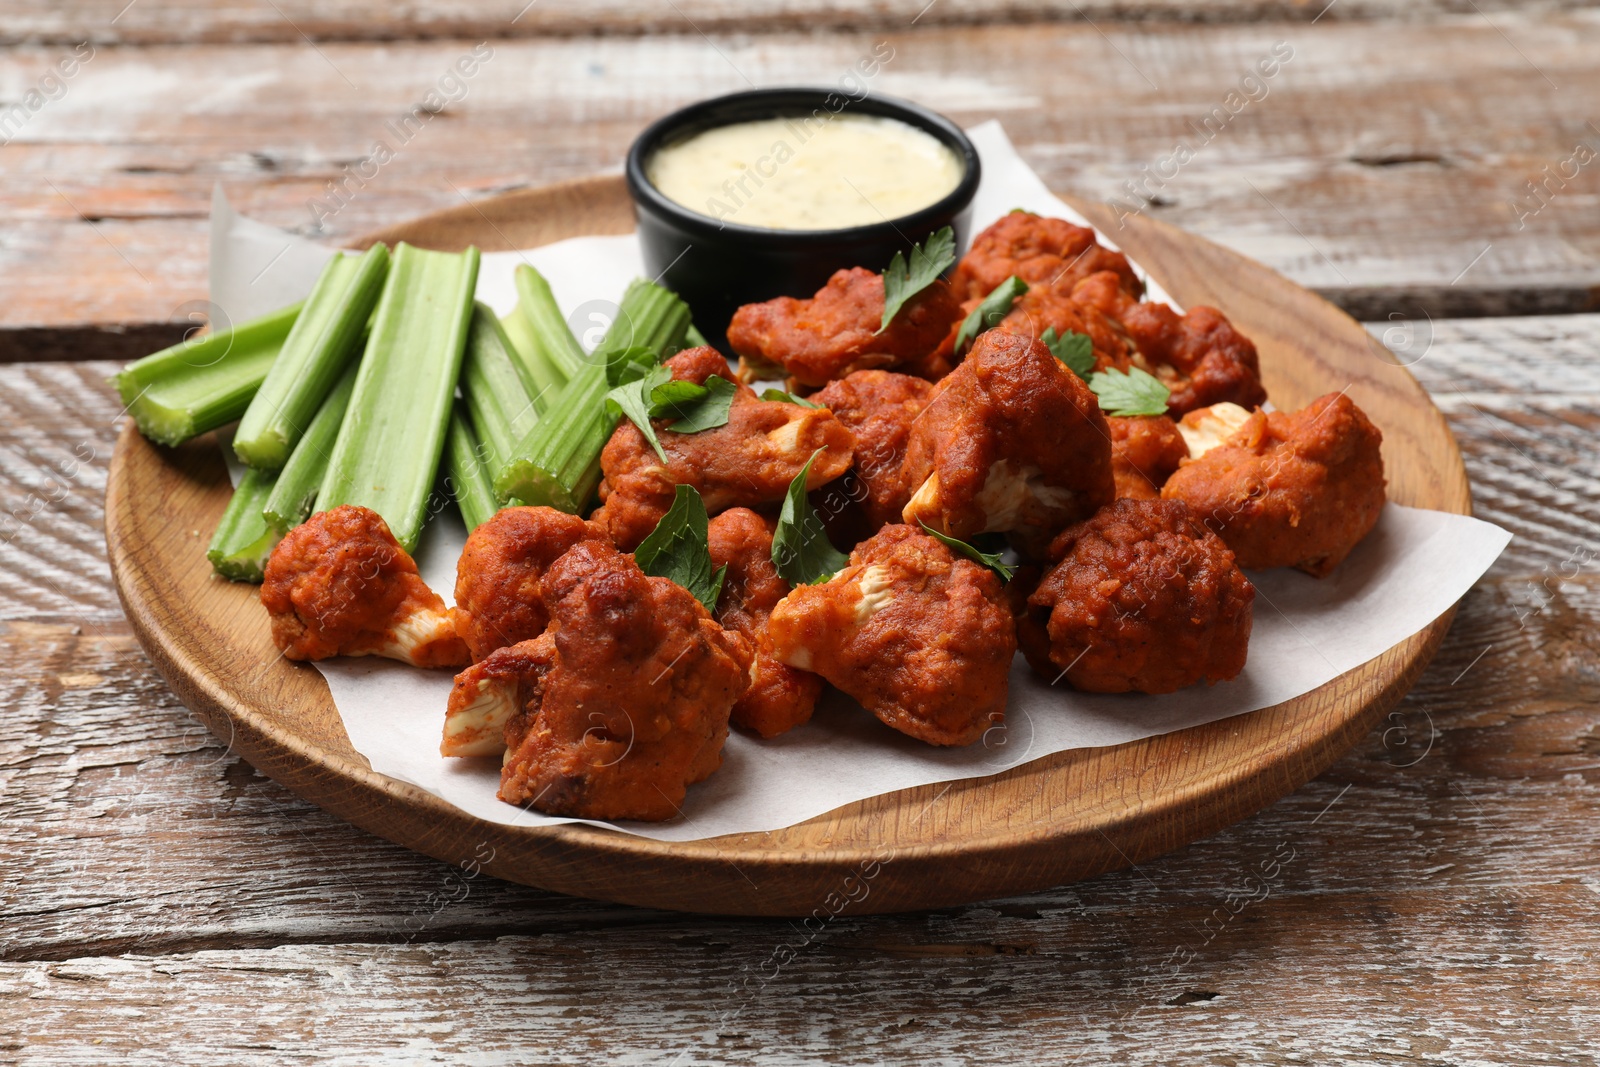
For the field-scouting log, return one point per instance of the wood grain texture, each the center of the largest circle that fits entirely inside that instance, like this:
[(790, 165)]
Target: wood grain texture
[(1064, 817), (1091, 977), (175, 21), (1380, 167), (1439, 911)]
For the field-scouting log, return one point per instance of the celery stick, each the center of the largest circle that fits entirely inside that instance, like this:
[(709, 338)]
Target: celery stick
[(243, 541), (325, 339), (558, 463), (693, 338), (190, 388), (469, 481), (650, 317), (543, 378), (389, 445), (290, 502), (537, 304), (500, 408)]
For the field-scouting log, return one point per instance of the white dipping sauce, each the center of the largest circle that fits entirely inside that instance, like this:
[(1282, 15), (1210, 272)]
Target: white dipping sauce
[(808, 172)]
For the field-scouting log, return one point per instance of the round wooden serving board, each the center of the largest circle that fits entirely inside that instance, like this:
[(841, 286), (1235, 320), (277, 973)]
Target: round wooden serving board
[(1054, 820)]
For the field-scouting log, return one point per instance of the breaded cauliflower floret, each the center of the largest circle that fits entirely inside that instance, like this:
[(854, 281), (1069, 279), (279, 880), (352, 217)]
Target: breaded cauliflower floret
[(1287, 489), (619, 707), (878, 407), (1198, 355), (1143, 598), (1044, 307), (1041, 309), (835, 332), (1013, 443), (1145, 450), (921, 637), (340, 585), (749, 462), (780, 697), (1044, 252), (497, 577)]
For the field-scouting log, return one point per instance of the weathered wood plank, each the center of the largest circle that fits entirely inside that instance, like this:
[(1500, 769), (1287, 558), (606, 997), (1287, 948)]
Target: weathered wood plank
[(1381, 168), (1523, 398), (1444, 977), (173, 21), (57, 426)]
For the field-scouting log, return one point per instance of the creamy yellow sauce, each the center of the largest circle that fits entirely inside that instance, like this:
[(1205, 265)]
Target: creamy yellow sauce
[(809, 172)]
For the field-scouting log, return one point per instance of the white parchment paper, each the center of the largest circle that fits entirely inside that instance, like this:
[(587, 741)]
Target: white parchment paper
[(1412, 567)]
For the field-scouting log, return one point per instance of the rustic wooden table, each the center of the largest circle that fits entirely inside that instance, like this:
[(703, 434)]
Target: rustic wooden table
[(1434, 898)]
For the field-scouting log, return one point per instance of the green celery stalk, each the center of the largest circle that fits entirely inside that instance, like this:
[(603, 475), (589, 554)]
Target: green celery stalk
[(546, 325), (500, 407), (558, 463), (542, 377), (290, 501), (196, 386), (243, 541), (325, 338), (393, 434), (693, 338), (469, 480)]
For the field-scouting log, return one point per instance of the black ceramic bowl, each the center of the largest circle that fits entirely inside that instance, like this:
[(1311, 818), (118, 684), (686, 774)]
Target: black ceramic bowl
[(717, 266)]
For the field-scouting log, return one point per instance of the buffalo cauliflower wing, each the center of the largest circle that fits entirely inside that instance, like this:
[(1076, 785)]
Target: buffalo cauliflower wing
[(1145, 450), (835, 332), (921, 637), (1012, 442), (339, 584), (497, 577), (879, 408), (1044, 252), (1044, 308), (1285, 489), (1143, 598), (621, 704), (1198, 355), (780, 697), (749, 462)]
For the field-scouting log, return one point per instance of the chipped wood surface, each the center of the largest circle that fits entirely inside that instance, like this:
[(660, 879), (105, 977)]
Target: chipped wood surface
[(1382, 166), (1433, 898)]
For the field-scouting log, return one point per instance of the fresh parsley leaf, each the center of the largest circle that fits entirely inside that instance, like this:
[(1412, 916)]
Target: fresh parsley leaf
[(788, 398), (654, 394), (928, 260), (695, 408), (995, 306), (677, 549), (1076, 350), (960, 547), (629, 364), (673, 395), (1135, 393), (633, 398), (800, 547)]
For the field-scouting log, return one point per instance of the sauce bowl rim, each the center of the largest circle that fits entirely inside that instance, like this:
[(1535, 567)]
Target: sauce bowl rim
[(756, 104)]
